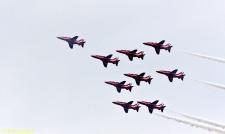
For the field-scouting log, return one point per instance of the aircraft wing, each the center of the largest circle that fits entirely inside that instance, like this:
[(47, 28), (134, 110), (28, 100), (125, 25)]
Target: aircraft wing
[(142, 74), (75, 37), (134, 51), (130, 57), (118, 90), (157, 50), (109, 56), (170, 78), (137, 82), (155, 102), (71, 45), (150, 109), (122, 82), (130, 102), (161, 42), (126, 110), (174, 71), (105, 63)]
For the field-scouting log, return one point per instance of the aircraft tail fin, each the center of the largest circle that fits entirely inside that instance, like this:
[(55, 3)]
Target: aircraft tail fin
[(169, 47), (142, 56), (182, 76), (130, 88), (149, 80), (138, 107), (117, 62), (162, 109), (82, 44)]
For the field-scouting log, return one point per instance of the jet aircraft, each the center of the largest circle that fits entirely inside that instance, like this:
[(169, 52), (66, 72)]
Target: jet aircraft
[(73, 40), (132, 54), (107, 59), (172, 74), (139, 77), (152, 105), (159, 45), (127, 105), (120, 85)]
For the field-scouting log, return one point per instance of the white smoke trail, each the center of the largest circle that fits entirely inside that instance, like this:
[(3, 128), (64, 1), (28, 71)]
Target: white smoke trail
[(201, 120), (192, 124), (212, 84), (217, 59)]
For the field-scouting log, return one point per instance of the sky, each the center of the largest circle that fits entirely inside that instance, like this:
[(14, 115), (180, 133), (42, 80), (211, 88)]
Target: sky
[(47, 87)]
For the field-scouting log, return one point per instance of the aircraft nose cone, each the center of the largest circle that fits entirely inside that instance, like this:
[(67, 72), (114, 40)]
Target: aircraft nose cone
[(158, 71), (126, 74), (119, 51), (145, 43), (94, 56), (107, 82), (114, 102)]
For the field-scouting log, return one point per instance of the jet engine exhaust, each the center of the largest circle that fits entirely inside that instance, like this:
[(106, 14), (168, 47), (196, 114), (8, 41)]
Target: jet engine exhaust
[(190, 123), (212, 58), (201, 120), (212, 84)]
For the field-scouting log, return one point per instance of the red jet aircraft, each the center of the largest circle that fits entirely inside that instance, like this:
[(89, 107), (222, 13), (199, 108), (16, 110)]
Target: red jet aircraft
[(132, 54), (139, 77), (159, 45), (120, 85), (72, 41), (127, 105), (107, 59), (172, 74), (152, 105)]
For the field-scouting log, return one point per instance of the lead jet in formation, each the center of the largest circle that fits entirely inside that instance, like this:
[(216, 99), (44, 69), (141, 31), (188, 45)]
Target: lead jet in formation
[(120, 85), (107, 59), (139, 77), (73, 40), (153, 105), (172, 74), (159, 45), (127, 105), (132, 54)]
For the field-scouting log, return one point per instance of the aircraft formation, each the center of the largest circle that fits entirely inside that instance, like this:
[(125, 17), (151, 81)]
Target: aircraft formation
[(142, 77)]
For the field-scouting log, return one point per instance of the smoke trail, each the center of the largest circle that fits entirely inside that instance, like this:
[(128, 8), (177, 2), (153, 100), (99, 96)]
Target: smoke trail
[(212, 84), (201, 120), (192, 124), (217, 59)]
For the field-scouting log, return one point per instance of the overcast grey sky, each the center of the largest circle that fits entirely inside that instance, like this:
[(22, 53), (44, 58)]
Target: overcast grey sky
[(47, 87)]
